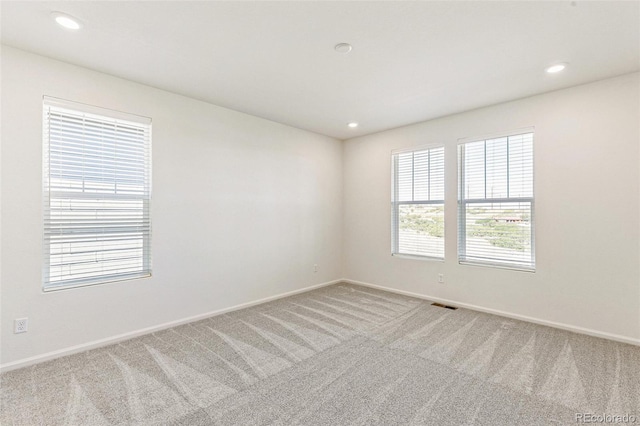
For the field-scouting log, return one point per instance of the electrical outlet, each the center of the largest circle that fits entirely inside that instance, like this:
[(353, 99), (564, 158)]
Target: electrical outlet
[(315, 267), (441, 278), (20, 325)]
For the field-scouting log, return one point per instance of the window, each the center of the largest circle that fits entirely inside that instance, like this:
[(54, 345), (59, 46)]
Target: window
[(418, 203), (496, 205), (97, 189)]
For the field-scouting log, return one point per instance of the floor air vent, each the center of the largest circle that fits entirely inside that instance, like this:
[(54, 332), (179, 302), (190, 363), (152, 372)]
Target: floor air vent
[(440, 305)]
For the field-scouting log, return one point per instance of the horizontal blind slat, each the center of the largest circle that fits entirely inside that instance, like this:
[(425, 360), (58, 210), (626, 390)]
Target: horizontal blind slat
[(97, 191), (418, 203), (495, 213)]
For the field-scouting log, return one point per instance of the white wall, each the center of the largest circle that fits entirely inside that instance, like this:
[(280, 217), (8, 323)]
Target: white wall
[(242, 208), (586, 151)]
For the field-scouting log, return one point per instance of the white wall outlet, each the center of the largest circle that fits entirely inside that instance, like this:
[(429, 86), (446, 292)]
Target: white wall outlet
[(315, 267), (20, 325), (441, 278)]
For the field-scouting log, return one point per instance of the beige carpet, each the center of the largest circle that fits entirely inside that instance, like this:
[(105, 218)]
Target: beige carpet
[(341, 355)]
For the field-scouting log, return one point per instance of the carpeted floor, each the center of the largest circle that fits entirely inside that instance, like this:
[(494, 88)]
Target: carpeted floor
[(340, 355)]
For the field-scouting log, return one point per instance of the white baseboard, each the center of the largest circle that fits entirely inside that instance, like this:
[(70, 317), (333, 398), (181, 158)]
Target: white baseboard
[(573, 328), (126, 336)]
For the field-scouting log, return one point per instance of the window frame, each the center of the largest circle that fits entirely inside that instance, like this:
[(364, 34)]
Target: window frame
[(463, 202), (395, 205), (109, 117)]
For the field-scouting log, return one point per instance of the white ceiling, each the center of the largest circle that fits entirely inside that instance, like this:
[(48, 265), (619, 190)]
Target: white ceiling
[(411, 61)]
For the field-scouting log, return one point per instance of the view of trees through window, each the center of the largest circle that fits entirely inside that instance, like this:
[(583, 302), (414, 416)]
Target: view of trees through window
[(496, 201), (505, 228), (495, 204), (423, 219), (418, 202), (421, 229)]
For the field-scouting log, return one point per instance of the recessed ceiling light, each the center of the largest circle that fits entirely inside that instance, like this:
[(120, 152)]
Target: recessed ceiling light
[(343, 48), (66, 21), (353, 125), (555, 68)]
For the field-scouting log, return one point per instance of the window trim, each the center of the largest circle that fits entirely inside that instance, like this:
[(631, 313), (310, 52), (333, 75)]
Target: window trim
[(461, 214), (394, 205), (81, 108)]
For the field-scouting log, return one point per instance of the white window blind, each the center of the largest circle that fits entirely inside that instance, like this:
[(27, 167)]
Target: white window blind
[(97, 190), (496, 204), (418, 203)]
